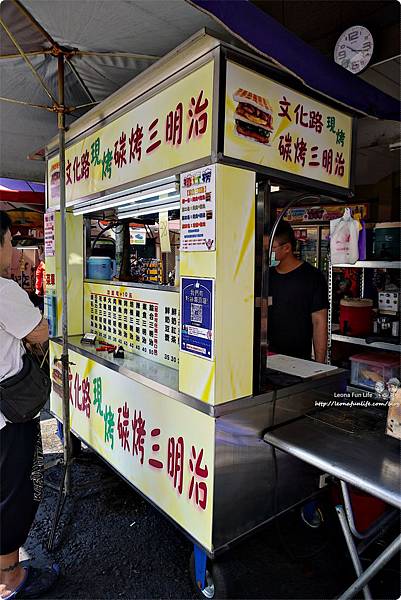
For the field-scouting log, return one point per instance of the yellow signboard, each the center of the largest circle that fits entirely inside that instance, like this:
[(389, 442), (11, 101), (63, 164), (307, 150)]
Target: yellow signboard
[(163, 447), (173, 128), (274, 126)]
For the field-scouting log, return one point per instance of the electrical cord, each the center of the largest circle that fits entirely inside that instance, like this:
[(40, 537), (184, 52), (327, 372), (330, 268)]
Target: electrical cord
[(115, 228), (100, 226), (99, 235)]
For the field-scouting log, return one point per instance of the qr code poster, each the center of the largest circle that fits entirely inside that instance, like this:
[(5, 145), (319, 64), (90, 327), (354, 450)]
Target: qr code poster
[(197, 316)]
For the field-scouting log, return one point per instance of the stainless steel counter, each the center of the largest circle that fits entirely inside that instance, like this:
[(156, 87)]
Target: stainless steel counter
[(350, 444), (263, 483), (159, 378), (293, 399)]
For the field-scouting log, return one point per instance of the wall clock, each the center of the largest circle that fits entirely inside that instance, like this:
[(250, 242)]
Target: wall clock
[(354, 49)]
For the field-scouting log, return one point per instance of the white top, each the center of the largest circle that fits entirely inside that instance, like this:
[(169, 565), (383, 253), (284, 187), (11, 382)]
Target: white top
[(18, 317), (297, 366)]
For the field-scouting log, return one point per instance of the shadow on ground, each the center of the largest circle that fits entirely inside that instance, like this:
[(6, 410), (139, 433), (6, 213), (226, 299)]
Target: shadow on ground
[(112, 544)]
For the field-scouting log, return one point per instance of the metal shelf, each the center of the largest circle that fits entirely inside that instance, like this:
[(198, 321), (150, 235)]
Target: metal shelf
[(373, 264), (361, 342)]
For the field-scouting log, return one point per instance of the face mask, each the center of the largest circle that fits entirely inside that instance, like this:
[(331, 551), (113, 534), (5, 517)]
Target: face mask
[(274, 262)]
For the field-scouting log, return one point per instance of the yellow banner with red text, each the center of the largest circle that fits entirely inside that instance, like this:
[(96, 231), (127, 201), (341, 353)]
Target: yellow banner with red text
[(163, 447), (173, 128)]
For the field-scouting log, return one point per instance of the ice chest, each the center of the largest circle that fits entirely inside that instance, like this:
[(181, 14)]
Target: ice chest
[(99, 267), (371, 368), (356, 316), (387, 241)]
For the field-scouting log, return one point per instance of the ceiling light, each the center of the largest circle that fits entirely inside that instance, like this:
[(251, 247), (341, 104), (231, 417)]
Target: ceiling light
[(135, 194), (102, 205), (154, 201), (149, 210)]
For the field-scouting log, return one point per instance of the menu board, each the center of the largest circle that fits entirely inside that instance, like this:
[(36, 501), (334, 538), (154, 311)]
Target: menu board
[(198, 210), (143, 321), (50, 224)]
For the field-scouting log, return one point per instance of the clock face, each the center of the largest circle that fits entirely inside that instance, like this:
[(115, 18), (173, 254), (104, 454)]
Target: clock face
[(354, 49)]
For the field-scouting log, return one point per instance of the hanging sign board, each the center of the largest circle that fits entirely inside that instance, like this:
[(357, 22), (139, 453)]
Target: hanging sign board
[(269, 124), (137, 236), (197, 318), (164, 233), (313, 214), (171, 129), (198, 210), (50, 245)]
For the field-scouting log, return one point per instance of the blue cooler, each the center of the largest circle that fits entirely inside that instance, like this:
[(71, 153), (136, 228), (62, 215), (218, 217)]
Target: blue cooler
[(99, 267)]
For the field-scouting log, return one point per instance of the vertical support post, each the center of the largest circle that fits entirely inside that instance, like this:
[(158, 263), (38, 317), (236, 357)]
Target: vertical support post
[(362, 283), (318, 247), (261, 276), (330, 314), (64, 272)]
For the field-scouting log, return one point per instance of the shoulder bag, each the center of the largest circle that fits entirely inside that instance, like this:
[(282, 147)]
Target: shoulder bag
[(23, 395)]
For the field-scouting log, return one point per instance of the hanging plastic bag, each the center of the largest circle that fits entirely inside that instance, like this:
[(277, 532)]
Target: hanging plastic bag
[(362, 235), (362, 241), (344, 234)]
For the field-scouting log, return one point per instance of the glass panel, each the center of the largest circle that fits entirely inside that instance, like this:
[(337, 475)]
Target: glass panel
[(307, 241), (324, 250)]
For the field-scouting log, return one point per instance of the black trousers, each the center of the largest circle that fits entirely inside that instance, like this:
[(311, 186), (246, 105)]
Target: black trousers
[(21, 482)]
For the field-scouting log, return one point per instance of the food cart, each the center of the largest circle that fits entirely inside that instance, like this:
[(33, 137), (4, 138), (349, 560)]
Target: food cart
[(213, 132)]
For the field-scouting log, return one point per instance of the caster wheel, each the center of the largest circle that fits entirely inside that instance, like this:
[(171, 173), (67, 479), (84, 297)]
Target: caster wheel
[(217, 580), (312, 516)]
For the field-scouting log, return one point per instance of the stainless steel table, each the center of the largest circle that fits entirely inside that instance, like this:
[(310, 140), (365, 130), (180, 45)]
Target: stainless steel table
[(350, 444)]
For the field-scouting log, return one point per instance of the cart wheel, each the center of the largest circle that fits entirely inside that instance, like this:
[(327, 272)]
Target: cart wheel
[(217, 580), (312, 515)]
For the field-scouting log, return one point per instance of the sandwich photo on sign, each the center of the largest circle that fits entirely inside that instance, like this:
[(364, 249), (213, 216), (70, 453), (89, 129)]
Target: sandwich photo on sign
[(253, 116)]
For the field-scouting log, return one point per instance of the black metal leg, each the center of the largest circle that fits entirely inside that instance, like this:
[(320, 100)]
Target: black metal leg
[(59, 508)]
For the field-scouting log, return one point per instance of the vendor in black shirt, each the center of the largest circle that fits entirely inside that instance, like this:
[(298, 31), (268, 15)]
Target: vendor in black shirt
[(298, 302)]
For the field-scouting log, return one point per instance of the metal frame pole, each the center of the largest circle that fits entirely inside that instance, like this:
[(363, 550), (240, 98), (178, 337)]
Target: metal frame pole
[(352, 549), (371, 571), (64, 275)]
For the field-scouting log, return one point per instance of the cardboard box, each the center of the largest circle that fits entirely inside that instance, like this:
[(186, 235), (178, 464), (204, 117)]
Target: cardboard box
[(394, 415)]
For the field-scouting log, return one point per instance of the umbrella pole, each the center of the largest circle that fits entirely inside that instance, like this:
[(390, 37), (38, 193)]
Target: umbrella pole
[(64, 275)]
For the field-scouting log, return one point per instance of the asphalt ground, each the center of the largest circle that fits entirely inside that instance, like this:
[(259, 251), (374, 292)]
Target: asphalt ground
[(111, 543)]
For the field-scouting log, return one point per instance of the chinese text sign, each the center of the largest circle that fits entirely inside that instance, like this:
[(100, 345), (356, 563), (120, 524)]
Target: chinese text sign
[(274, 126), (143, 321), (171, 129), (198, 208), (163, 447)]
